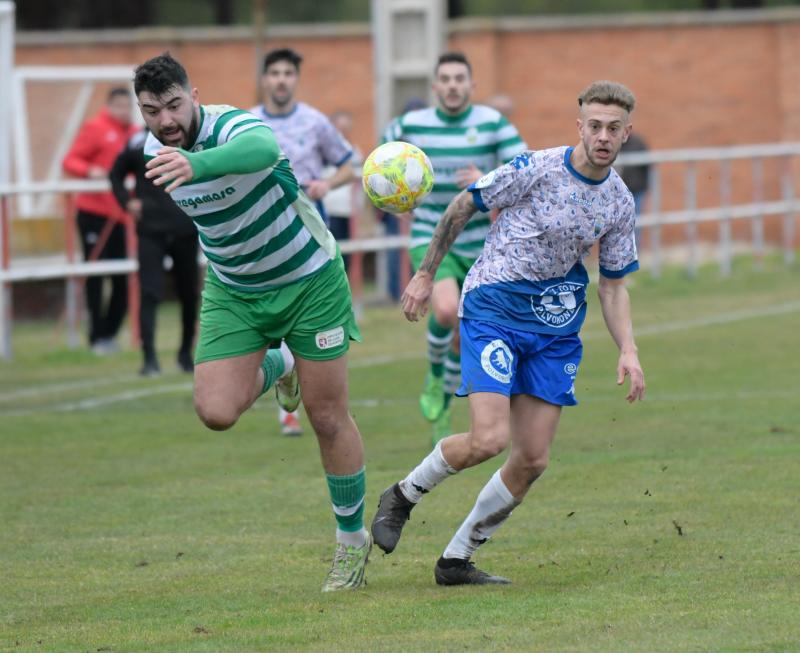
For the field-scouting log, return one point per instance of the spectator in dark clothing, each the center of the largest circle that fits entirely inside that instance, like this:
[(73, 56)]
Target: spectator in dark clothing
[(637, 177), (163, 229), (91, 155)]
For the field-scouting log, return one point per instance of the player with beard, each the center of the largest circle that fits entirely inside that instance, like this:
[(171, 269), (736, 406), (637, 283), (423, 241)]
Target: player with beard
[(521, 310), (274, 274), (462, 140), (310, 141)]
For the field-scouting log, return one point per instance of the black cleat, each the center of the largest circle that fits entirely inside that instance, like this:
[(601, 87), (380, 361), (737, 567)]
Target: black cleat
[(394, 510), (454, 571), (150, 368), (185, 361)]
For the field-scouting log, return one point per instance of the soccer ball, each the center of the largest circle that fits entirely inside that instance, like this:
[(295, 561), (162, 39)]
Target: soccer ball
[(397, 176)]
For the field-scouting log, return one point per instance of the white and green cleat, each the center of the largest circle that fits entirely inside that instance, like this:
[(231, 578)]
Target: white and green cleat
[(431, 401), (287, 391), (347, 570)]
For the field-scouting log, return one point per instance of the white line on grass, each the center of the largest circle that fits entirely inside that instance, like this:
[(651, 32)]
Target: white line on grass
[(654, 329), (39, 390), (98, 402)]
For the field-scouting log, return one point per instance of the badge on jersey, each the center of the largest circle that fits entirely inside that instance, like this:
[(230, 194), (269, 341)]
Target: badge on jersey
[(557, 306)]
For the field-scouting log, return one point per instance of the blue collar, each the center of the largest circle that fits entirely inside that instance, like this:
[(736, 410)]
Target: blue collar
[(280, 116), (578, 175)]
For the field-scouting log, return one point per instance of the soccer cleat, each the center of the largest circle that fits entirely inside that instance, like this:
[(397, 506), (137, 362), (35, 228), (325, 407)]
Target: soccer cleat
[(347, 570), (394, 510), (442, 427), (185, 362), (431, 401), (454, 571), (287, 391), (290, 425), (150, 368)]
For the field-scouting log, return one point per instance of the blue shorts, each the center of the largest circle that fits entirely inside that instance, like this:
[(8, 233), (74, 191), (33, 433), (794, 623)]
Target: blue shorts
[(497, 358)]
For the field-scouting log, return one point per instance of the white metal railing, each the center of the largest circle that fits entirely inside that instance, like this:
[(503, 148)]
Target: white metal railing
[(690, 216), (653, 220)]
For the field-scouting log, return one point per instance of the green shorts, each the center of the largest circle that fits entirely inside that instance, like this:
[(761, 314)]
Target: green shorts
[(452, 266), (314, 316)]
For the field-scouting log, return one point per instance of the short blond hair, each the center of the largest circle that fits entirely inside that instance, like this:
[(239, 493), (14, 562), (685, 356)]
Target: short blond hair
[(605, 92)]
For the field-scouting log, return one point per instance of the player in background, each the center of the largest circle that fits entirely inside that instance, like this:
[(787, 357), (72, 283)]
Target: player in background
[(522, 308), (162, 229), (309, 140), (462, 140), (274, 275), (91, 156)]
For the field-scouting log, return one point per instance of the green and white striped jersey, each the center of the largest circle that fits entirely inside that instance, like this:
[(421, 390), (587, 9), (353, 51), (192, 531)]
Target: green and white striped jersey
[(480, 135), (258, 230)]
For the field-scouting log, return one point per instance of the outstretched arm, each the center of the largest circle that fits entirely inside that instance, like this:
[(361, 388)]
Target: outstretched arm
[(416, 296), (253, 150), (616, 305)]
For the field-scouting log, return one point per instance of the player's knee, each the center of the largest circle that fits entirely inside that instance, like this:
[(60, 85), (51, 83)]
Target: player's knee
[(488, 442), (533, 464), (215, 415), (325, 419), (446, 314)]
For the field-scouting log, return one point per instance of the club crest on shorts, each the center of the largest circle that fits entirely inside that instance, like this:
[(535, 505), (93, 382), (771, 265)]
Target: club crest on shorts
[(557, 306), (330, 338), (496, 360)]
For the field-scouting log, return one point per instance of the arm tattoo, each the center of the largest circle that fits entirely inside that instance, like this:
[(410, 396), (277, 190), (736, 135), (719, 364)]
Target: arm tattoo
[(455, 217)]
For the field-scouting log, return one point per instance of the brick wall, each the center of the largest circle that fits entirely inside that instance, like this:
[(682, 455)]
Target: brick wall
[(701, 79)]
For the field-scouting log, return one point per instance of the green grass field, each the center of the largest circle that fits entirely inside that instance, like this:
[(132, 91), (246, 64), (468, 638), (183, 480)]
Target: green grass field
[(671, 525)]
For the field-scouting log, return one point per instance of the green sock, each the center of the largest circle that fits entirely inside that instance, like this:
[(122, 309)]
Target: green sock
[(439, 338), (447, 399), (452, 376), (273, 367), (347, 497)]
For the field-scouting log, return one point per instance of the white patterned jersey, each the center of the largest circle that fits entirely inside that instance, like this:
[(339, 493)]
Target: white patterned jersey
[(309, 140), (530, 275)]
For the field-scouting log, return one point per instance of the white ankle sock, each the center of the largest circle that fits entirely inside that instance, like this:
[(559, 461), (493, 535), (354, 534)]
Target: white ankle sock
[(288, 359), (492, 508), (427, 475), (354, 538)]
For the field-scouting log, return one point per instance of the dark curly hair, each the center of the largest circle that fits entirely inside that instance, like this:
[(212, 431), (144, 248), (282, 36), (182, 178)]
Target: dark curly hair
[(159, 74)]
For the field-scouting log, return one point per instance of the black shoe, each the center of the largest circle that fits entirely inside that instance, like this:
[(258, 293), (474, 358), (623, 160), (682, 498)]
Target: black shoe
[(394, 510), (454, 571), (185, 362), (150, 368)]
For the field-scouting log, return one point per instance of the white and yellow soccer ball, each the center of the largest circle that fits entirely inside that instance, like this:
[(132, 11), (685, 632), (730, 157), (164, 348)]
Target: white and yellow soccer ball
[(397, 176)]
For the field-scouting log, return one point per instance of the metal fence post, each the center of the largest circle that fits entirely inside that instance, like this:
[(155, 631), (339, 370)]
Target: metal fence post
[(758, 221), (5, 287), (655, 229), (691, 226), (72, 286), (788, 219), (725, 220)]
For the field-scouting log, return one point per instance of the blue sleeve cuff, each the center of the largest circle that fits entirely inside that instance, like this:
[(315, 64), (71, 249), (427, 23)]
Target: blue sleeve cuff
[(618, 274), (476, 197), (344, 159)]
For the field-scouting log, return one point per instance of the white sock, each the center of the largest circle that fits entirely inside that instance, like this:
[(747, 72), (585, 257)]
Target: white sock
[(288, 359), (427, 475), (354, 538), (492, 508), (282, 414)]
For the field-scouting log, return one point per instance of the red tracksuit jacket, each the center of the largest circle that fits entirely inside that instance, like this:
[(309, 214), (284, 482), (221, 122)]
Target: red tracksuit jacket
[(98, 143)]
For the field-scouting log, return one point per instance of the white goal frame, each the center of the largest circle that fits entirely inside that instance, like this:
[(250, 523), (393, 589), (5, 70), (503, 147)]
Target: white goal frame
[(88, 76)]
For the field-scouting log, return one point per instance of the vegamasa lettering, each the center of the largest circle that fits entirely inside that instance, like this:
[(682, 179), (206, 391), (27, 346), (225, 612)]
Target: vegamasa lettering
[(194, 202)]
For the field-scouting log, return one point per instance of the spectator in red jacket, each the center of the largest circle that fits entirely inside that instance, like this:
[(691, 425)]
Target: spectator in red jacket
[(91, 156)]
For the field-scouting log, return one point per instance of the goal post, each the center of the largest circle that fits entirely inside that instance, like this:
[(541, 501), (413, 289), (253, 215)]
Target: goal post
[(6, 70)]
